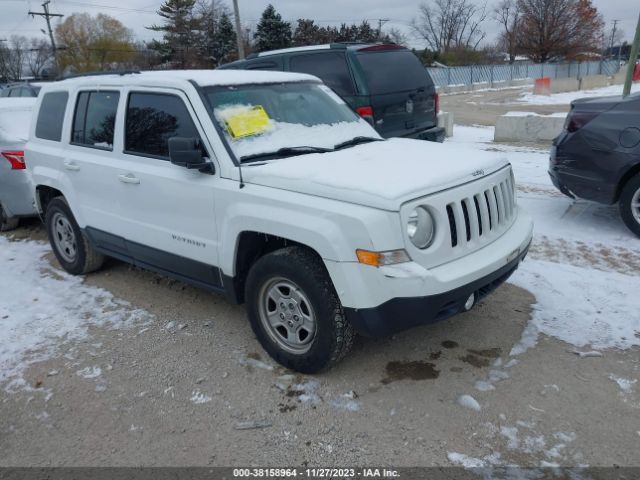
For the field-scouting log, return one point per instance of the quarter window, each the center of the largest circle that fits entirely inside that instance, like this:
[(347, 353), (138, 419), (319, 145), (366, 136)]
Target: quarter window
[(152, 119), (331, 67), (51, 116), (94, 119)]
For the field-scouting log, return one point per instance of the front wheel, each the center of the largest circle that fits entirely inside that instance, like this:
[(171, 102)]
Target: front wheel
[(630, 204), (70, 245), (295, 312)]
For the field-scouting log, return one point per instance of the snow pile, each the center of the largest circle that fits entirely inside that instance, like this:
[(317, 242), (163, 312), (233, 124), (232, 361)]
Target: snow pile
[(580, 306), (42, 308), (467, 401), (199, 398), (568, 97)]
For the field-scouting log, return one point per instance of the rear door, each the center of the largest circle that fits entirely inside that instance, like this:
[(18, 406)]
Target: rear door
[(401, 91)]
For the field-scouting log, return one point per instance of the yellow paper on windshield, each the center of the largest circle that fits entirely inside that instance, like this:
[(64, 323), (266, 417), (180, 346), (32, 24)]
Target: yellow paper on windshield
[(247, 122)]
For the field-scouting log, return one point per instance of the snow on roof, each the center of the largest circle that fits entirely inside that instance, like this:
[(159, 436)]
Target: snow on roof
[(201, 77), (295, 49)]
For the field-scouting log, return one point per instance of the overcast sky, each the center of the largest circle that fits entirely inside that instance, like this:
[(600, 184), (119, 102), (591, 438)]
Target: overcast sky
[(136, 14)]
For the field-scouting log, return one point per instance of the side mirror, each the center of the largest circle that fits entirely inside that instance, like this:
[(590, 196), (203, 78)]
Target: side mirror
[(186, 152)]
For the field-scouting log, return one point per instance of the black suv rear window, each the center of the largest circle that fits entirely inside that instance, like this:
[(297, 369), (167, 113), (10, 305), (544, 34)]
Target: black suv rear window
[(393, 71), (331, 67), (51, 116)]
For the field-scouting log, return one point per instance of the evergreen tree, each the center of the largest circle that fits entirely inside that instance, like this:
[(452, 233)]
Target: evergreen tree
[(182, 32), (224, 43), (367, 34), (272, 32)]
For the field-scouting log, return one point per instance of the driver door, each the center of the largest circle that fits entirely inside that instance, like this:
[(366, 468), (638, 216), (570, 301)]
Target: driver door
[(168, 210)]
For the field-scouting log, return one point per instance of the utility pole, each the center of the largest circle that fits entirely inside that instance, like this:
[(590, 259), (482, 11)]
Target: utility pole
[(633, 56), (47, 16), (381, 22), (613, 36), (236, 14)]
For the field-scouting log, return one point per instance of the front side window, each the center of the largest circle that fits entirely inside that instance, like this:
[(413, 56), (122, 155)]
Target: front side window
[(152, 119), (331, 67), (51, 116), (94, 119), (265, 121)]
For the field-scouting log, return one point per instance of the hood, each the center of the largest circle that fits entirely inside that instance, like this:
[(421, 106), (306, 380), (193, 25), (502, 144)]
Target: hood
[(382, 174)]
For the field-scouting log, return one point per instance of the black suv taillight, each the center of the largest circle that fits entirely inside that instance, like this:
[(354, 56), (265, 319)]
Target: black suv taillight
[(577, 120)]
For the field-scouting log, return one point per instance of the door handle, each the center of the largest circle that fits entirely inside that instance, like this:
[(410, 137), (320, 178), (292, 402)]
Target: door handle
[(129, 178), (73, 166)]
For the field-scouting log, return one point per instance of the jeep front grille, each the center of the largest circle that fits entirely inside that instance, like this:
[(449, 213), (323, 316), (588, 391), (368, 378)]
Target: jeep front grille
[(473, 217)]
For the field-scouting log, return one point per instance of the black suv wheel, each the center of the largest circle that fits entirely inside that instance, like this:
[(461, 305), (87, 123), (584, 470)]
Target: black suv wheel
[(295, 312)]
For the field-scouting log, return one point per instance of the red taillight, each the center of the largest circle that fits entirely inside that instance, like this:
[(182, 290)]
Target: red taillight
[(16, 159), (577, 120), (436, 103), (365, 111)]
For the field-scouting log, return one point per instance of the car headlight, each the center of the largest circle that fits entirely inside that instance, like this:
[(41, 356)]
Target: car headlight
[(421, 227)]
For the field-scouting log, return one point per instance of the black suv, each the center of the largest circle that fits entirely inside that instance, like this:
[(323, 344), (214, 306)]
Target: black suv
[(384, 83), (597, 156)]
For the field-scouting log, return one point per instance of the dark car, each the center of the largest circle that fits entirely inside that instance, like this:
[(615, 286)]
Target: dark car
[(384, 83), (22, 89), (597, 156)]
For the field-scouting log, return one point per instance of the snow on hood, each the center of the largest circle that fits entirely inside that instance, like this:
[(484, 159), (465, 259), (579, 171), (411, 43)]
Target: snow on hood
[(381, 174), (15, 119)]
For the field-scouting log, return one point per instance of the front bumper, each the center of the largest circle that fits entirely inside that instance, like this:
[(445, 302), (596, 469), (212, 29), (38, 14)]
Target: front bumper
[(379, 301), (403, 313)]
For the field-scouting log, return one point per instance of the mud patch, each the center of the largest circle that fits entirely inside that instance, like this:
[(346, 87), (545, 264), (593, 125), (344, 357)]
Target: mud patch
[(475, 361), (449, 344), (489, 352), (416, 370), (435, 355)]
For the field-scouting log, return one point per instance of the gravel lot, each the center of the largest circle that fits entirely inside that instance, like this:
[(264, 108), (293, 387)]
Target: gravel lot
[(187, 384)]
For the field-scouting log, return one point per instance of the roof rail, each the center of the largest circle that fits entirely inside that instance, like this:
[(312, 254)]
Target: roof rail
[(96, 74)]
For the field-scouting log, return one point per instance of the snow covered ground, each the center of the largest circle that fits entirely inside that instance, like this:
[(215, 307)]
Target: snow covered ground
[(583, 262), (568, 97), (42, 309)]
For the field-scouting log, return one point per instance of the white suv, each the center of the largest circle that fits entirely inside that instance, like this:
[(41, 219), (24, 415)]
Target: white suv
[(266, 187)]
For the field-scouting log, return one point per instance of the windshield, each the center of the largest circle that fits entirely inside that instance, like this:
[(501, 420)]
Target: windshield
[(393, 71), (284, 119)]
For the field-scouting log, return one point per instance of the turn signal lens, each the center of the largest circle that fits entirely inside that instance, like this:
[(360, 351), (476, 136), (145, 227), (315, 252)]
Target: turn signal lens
[(380, 259)]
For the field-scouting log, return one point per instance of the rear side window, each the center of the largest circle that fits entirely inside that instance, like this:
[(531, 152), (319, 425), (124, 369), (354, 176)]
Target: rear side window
[(51, 116), (331, 67), (152, 119), (95, 119), (393, 71)]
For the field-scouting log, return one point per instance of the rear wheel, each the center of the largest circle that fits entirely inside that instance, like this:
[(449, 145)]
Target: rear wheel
[(629, 204), (295, 312), (7, 223), (70, 245)]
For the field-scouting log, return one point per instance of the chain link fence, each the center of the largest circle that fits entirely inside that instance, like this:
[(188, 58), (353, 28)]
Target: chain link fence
[(472, 74)]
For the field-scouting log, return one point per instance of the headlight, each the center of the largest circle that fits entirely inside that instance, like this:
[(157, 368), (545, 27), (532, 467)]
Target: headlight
[(421, 228)]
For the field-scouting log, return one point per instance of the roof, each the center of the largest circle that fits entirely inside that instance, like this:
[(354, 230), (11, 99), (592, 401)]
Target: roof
[(180, 77), (326, 46)]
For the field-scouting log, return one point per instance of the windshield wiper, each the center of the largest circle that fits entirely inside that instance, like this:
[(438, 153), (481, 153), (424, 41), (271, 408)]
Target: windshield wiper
[(356, 141), (284, 152)]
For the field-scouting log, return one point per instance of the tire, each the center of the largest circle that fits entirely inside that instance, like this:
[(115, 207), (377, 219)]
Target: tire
[(329, 335), (629, 204), (7, 223), (69, 243)]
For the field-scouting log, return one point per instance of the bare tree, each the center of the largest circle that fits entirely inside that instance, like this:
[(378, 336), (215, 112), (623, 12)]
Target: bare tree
[(13, 58), (507, 14), (397, 36), (40, 54), (451, 24), (551, 29)]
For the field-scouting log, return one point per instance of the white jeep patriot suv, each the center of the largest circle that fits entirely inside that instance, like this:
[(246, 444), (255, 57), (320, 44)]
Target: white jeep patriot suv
[(266, 187)]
